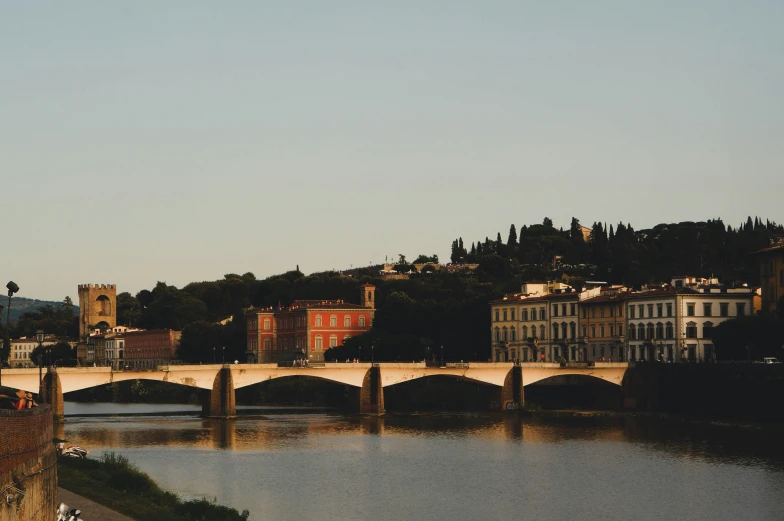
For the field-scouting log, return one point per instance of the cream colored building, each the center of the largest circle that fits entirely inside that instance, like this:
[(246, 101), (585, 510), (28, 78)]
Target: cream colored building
[(21, 349)]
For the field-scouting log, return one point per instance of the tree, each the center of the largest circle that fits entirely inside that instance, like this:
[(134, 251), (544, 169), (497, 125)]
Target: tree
[(401, 259), (547, 222), (511, 241), (129, 310), (60, 353)]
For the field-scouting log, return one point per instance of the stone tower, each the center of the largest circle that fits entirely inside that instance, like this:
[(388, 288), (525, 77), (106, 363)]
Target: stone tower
[(367, 296), (97, 306)]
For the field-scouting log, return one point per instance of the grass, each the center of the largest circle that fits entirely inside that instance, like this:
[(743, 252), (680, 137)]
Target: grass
[(115, 482)]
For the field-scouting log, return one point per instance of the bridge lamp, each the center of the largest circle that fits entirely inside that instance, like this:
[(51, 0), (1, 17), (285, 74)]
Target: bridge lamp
[(12, 288)]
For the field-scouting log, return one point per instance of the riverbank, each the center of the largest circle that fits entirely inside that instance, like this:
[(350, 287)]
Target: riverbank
[(116, 483)]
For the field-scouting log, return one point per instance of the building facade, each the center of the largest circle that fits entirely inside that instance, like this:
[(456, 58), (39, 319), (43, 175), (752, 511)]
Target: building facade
[(148, 349), (22, 347), (669, 323), (307, 328), (771, 262)]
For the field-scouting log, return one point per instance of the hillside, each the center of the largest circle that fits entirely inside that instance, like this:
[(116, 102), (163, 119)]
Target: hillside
[(21, 305)]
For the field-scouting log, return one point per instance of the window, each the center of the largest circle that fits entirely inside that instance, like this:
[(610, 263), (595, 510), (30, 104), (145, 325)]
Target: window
[(593, 350), (572, 330), (593, 331), (333, 341), (533, 331), (318, 320), (505, 334), (333, 321), (691, 330), (631, 312), (555, 331), (669, 310), (669, 330), (318, 346), (593, 312), (563, 330), (505, 315), (724, 309), (707, 309), (361, 320), (601, 331), (525, 331), (585, 312), (525, 314), (512, 334), (651, 331), (650, 310), (740, 309), (632, 332), (555, 310), (659, 308), (585, 331), (347, 321), (496, 315), (513, 313), (641, 331), (563, 310), (572, 309), (541, 331), (612, 330), (707, 330), (601, 311), (641, 310), (612, 311), (659, 330), (689, 310), (542, 314)]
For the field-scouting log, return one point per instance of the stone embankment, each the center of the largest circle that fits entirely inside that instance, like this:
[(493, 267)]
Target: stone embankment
[(28, 465)]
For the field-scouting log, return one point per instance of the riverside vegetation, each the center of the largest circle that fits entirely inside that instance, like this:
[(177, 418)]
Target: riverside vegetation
[(117, 483)]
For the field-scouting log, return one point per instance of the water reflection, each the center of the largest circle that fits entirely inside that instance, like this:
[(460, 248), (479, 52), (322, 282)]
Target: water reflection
[(452, 466)]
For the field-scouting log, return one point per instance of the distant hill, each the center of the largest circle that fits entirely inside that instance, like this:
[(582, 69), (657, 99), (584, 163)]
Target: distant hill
[(20, 305)]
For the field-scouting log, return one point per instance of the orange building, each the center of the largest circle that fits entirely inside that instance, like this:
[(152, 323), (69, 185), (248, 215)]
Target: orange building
[(307, 328)]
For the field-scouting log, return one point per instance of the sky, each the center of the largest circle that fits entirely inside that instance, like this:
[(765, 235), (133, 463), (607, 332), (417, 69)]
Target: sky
[(179, 141)]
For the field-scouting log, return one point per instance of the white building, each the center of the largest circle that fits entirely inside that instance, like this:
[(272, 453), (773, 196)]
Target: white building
[(676, 323), (21, 349)]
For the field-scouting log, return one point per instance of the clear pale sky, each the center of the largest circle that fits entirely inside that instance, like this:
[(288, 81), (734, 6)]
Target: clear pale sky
[(178, 141)]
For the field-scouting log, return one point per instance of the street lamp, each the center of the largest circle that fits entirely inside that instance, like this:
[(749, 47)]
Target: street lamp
[(12, 288), (442, 355), (213, 355), (39, 337), (372, 352), (223, 355), (359, 353)]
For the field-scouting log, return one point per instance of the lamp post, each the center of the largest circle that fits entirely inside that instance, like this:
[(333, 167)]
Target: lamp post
[(39, 337), (442, 355), (213, 355), (359, 353), (12, 288), (223, 354), (372, 353)]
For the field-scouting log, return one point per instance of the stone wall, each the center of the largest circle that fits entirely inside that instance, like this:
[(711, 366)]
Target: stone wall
[(723, 389), (28, 465)]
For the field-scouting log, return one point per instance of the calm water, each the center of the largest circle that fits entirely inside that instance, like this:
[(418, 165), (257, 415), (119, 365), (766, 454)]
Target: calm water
[(284, 464)]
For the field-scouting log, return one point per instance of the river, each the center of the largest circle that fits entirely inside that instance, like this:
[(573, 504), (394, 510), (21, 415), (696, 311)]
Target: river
[(288, 464)]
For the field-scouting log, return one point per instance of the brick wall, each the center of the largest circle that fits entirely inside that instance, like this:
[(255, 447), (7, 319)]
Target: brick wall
[(28, 465)]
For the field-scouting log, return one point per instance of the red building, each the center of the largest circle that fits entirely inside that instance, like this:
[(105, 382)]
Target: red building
[(149, 349), (307, 328)]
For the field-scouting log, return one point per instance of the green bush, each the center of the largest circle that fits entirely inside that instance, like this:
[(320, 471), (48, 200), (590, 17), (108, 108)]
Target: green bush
[(117, 483)]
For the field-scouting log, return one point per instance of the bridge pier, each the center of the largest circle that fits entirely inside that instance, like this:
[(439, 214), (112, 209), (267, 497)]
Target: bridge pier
[(221, 401), (513, 392), (371, 396), (52, 393)]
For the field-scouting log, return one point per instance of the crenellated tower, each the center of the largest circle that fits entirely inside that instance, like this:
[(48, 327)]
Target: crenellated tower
[(97, 307), (367, 297)]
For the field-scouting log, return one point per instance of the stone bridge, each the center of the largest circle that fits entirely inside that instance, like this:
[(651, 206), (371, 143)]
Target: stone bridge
[(222, 380)]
